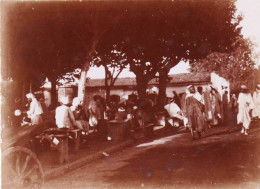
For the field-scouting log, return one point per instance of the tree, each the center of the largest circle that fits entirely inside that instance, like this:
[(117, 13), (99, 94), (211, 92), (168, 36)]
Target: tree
[(156, 39), (104, 19), (138, 36), (236, 66), (55, 38), (114, 61), (69, 77), (167, 64), (40, 39)]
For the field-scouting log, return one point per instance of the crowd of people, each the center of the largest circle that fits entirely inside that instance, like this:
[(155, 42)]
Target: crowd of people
[(200, 110), (197, 109)]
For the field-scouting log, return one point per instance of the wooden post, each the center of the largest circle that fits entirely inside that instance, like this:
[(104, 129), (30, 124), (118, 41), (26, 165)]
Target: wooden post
[(63, 149)]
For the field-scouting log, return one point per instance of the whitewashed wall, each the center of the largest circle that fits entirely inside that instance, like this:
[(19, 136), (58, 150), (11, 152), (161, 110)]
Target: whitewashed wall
[(218, 82)]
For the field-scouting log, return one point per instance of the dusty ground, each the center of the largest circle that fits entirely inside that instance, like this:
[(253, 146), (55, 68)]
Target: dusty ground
[(229, 160)]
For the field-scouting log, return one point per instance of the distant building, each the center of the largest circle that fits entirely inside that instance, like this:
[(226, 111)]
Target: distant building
[(126, 86)]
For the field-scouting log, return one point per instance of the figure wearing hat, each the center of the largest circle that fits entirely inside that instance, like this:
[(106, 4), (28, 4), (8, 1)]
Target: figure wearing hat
[(35, 112), (256, 100), (121, 114), (64, 116), (245, 106)]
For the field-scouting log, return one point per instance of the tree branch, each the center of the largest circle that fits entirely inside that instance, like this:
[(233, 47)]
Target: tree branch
[(121, 69)]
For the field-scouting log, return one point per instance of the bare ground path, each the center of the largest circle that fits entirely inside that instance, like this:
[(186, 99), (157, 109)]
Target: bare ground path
[(227, 160)]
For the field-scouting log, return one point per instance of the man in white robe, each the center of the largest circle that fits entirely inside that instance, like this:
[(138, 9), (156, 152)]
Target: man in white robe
[(256, 100), (245, 107), (35, 112), (174, 112), (64, 116)]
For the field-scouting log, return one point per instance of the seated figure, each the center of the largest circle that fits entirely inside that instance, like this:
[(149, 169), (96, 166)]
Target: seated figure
[(80, 115), (121, 114), (175, 114), (64, 116)]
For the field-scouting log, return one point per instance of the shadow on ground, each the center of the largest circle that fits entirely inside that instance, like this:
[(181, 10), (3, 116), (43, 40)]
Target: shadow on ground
[(222, 163)]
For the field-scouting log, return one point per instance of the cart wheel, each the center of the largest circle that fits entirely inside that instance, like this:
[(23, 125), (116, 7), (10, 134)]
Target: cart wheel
[(21, 168)]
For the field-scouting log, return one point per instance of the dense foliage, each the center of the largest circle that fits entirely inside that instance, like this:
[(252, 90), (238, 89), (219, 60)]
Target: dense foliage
[(237, 66), (53, 38)]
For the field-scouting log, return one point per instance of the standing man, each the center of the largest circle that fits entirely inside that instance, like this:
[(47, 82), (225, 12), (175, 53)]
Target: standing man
[(256, 100), (195, 110), (35, 112), (215, 107), (245, 107), (97, 110), (233, 102), (225, 105)]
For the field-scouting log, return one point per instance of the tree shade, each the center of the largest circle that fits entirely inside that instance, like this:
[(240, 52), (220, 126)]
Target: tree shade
[(52, 38)]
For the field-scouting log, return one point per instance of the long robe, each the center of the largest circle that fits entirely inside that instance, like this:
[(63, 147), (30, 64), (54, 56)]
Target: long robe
[(208, 106), (173, 110), (233, 102), (96, 110), (195, 114), (183, 103), (256, 99), (245, 104), (35, 112), (225, 103), (213, 107)]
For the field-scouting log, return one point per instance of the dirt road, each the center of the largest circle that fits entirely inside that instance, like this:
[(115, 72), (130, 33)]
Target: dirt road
[(229, 160)]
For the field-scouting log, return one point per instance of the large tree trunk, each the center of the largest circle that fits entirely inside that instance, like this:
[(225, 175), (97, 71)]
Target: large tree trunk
[(107, 94), (107, 85), (82, 82), (53, 94), (84, 70), (163, 75), (141, 86), (110, 80), (98, 31)]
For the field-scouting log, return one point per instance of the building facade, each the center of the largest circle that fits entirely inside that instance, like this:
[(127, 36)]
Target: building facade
[(126, 86)]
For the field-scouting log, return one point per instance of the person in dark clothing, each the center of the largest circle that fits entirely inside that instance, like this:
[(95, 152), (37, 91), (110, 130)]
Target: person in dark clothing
[(225, 102), (195, 114), (200, 90)]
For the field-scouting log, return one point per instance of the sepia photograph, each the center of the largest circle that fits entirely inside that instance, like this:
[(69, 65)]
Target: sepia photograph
[(125, 94)]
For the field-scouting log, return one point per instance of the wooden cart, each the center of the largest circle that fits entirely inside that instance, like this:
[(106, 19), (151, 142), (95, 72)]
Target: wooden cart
[(20, 165)]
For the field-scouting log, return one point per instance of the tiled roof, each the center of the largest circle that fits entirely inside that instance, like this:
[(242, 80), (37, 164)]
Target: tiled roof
[(119, 82), (175, 79), (190, 77)]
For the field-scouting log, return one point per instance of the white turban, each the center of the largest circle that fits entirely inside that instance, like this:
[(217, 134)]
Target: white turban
[(64, 100), (243, 87), (189, 86), (30, 95), (76, 101)]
